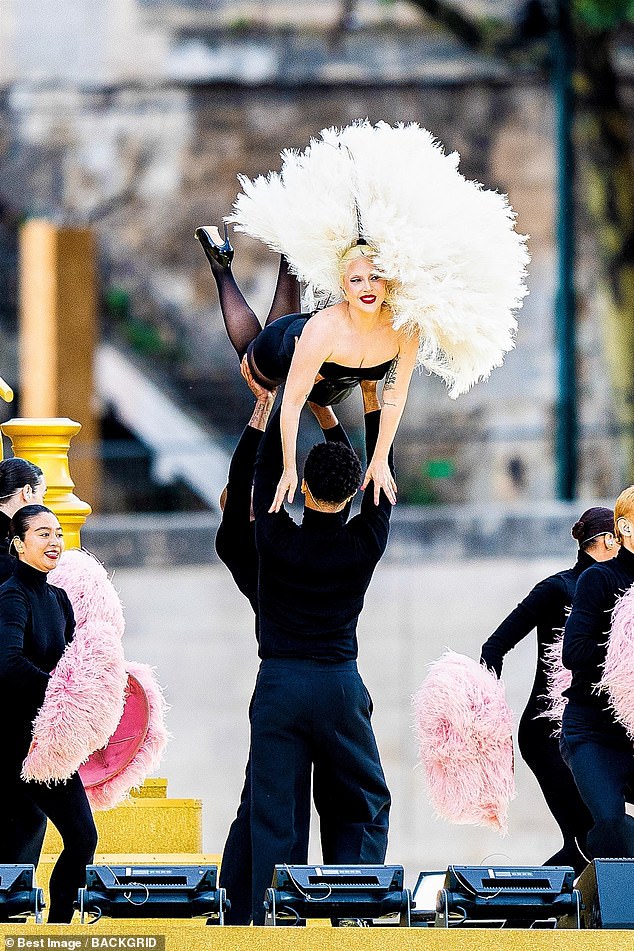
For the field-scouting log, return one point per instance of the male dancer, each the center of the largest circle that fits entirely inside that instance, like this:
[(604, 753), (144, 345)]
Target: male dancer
[(235, 545), (310, 705)]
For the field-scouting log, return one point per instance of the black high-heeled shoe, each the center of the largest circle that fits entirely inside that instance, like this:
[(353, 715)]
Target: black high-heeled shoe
[(219, 255)]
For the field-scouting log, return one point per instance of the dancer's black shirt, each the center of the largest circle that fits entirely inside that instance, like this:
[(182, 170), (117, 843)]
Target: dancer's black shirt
[(36, 623), (313, 576), (588, 628), (544, 608), (235, 539)]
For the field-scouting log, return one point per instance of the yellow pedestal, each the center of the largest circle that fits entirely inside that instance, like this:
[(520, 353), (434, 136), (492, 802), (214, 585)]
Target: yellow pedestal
[(45, 443)]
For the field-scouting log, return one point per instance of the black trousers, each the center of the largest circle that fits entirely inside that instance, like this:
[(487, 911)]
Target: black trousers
[(66, 805), (308, 712), (236, 867), (540, 750), (602, 763)]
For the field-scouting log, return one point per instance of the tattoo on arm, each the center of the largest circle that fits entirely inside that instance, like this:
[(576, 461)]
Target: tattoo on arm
[(390, 376)]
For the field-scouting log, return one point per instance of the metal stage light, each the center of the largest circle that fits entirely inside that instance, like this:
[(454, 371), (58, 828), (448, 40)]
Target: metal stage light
[(514, 897), (152, 891), (19, 894), (351, 894)]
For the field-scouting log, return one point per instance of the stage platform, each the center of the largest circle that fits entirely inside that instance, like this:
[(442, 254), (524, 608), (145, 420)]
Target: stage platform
[(195, 936)]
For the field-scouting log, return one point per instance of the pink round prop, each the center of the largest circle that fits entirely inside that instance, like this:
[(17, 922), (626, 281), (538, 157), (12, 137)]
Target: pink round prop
[(102, 765)]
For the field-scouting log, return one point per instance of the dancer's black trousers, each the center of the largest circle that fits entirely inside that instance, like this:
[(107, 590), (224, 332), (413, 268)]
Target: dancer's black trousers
[(602, 763), (307, 712), (66, 805), (540, 751)]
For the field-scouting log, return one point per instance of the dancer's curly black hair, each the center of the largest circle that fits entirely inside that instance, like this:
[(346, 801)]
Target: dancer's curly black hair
[(332, 472)]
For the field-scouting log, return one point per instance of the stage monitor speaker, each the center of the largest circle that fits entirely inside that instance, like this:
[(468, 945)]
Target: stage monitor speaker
[(607, 894), (152, 891), (513, 897), (19, 895), (351, 893)]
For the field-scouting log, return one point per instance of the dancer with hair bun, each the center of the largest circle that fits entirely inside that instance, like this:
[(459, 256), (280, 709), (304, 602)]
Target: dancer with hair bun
[(545, 608), (594, 742), (21, 483), (404, 262)]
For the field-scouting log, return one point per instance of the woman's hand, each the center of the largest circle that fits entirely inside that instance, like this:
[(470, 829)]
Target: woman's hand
[(379, 472), (285, 488)]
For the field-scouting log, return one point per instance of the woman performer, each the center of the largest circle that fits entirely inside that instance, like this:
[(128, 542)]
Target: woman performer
[(545, 608), (388, 238), (21, 483), (325, 355), (594, 744), (36, 623)]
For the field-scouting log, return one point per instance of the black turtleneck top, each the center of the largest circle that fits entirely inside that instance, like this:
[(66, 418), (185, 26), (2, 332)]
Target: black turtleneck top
[(313, 576), (7, 561), (587, 631), (235, 539), (544, 608), (36, 623)]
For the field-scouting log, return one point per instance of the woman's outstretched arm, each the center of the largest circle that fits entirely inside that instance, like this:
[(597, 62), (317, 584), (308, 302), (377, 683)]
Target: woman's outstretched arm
[(394, 396)]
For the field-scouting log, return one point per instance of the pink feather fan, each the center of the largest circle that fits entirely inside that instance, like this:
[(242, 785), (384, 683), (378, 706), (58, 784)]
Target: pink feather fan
[(88, 691), (618, 671), (464, 729), (558, 679)]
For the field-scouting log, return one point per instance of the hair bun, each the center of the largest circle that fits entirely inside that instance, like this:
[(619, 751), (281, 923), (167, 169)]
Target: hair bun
[(578, 530)]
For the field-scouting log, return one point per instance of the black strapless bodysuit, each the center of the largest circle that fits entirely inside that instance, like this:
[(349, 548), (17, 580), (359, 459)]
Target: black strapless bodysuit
[(271, 353)]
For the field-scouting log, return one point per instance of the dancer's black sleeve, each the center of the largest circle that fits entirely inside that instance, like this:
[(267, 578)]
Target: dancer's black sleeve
[(235, 539), (588, 626), (270, 526), (541, 604), (17, 672), (373, 521)]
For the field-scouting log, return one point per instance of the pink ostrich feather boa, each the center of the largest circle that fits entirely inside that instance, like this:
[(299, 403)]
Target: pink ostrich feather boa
[(617, 679), (464, 729), (116, 790), (558, 679), (85, 696)]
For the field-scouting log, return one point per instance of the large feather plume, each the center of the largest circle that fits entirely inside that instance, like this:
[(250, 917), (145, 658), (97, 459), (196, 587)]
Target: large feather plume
[(464, 729), (617, 678), (558, 679), (448, 245)]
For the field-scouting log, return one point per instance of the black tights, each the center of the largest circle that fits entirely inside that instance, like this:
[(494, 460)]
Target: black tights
[(241, 323)]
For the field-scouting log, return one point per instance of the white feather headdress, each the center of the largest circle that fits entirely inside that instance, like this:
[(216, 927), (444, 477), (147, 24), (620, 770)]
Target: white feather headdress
[(448, 244)]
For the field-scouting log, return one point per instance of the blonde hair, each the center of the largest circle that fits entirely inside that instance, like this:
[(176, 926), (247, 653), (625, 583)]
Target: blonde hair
[(623, 508), (367, 251), (354, 252)]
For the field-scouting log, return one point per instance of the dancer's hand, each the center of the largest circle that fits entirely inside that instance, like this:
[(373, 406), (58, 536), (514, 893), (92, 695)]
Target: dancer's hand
[(325, 415), (379, 472), (260, 392), (285, 488)]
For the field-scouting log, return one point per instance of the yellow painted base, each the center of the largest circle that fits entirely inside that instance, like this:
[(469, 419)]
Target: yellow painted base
[(144, 824), (187, 935)]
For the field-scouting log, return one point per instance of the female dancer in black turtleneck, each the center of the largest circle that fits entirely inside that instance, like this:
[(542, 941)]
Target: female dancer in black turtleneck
[(595, 745), (21, 483), (545, 608), (36, 623)]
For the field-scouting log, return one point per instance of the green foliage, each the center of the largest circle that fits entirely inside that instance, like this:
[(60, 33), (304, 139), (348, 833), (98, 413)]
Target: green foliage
[(604, 14)]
